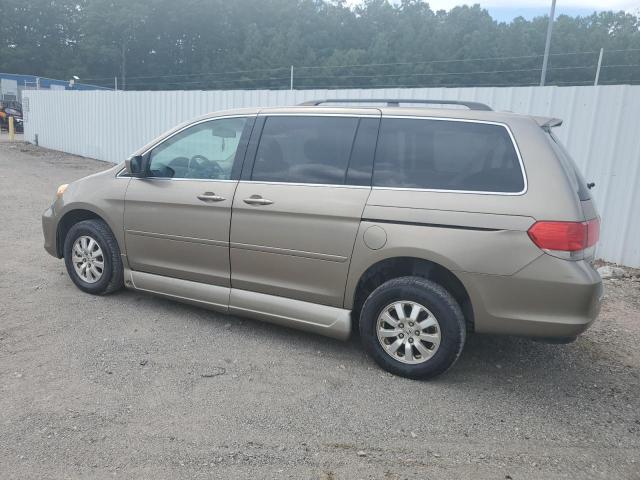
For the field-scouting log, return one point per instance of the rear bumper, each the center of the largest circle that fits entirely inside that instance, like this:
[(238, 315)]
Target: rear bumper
[(49, 229), (549, 298)]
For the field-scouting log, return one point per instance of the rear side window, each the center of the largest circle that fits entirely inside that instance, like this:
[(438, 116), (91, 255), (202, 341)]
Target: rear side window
[(446, 155), (305, 150), (571, 169)]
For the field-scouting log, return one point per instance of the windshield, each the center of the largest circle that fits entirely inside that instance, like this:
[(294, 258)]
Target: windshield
[(573, 173)]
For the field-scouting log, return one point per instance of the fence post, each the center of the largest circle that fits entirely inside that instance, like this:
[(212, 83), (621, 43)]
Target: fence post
[(12, 130), (291, 82), (547, 45), (115, 83), (595, 82)]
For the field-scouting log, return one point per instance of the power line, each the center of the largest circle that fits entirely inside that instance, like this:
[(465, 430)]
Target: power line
[(266, 80), (440, 74), (415, 85), (197, 74), (620, 66), (209, 82), (369, 65), (443, 85), (315, 77)]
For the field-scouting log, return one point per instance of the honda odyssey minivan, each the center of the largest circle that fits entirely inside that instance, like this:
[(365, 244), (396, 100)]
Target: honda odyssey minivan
[(413, 224)]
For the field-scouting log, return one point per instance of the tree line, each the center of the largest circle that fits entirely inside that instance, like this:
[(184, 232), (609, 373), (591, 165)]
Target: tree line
[(224, 44)]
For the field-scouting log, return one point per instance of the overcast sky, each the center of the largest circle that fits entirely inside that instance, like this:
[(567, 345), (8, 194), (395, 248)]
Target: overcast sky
[(508, 9), (591, 4)]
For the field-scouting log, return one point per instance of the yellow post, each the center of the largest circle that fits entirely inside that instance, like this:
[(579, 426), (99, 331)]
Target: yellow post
[(12, 132)]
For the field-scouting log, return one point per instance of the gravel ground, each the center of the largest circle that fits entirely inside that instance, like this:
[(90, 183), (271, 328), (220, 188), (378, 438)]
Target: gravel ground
[(133, 386)]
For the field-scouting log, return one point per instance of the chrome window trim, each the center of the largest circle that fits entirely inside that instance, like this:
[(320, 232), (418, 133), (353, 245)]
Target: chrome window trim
[(211, 119), (372, 187), (435, 190), (123, 174), (165, 179), (471, 192), (300, 184), (321, 114)]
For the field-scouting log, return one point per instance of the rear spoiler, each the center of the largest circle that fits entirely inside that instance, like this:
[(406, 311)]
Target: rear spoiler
[(548, 122)]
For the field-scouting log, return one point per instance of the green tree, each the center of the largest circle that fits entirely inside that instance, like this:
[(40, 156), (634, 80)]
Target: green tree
[(222, 44)]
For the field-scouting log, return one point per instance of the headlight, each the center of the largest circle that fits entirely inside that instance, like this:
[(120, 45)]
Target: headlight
[(61, 189)]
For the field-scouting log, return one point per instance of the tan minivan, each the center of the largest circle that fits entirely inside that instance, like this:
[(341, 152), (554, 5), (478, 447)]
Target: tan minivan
[(413, 224)]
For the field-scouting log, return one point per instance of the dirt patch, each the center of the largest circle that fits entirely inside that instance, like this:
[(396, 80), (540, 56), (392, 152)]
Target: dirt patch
[(134, 386)]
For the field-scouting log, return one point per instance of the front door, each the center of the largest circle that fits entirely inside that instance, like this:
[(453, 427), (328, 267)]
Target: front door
[(296, 216), (177, 220)]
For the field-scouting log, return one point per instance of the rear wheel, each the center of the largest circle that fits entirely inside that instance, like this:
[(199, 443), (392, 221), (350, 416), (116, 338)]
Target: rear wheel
[(412, 327), (92, 257)]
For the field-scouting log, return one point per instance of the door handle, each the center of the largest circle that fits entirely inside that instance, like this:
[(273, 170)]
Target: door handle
[(257, 200), (210, 197)]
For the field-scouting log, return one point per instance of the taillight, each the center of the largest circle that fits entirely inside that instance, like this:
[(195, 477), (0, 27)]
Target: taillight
[(565, 236), (593, 232)]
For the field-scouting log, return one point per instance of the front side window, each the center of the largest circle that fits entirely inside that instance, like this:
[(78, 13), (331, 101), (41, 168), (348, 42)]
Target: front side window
[(446, 155), (305, 150), (204, 151)]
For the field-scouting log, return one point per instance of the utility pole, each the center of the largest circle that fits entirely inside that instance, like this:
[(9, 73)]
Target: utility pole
[(547, 44), (595, 82), (123, 66), (291, 82)]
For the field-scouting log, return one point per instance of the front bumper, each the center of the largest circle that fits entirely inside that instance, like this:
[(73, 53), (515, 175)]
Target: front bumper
[(549, 298), (49, 229)]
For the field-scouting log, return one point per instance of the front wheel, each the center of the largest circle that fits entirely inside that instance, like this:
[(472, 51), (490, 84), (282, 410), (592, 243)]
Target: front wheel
[(92, 257), (412, 327)]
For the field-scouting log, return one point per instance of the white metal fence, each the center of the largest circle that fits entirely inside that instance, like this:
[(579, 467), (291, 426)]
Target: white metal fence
[(601, 129)]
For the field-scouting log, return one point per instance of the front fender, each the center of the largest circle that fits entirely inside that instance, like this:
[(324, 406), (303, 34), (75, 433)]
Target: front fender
[(102, 195)]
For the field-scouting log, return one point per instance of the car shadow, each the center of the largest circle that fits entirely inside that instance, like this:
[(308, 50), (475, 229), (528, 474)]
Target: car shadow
[(496, 359)]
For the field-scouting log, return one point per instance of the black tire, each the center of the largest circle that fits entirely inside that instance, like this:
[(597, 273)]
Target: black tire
[(112, 278), (438, 301)]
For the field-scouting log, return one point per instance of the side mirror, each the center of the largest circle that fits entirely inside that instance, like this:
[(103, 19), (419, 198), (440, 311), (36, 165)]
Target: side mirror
[(136, 166)]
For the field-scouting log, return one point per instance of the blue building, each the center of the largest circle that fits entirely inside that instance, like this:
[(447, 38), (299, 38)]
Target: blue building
[(12, 85)]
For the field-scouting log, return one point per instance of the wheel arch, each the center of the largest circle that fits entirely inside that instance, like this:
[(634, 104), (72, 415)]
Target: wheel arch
[(70, 218), (401, 266)]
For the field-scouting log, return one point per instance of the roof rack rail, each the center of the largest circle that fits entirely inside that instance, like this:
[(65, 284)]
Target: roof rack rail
[(397, 102)]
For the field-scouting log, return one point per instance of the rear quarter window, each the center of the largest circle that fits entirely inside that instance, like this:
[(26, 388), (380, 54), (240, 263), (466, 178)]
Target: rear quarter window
[(447, 155)]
